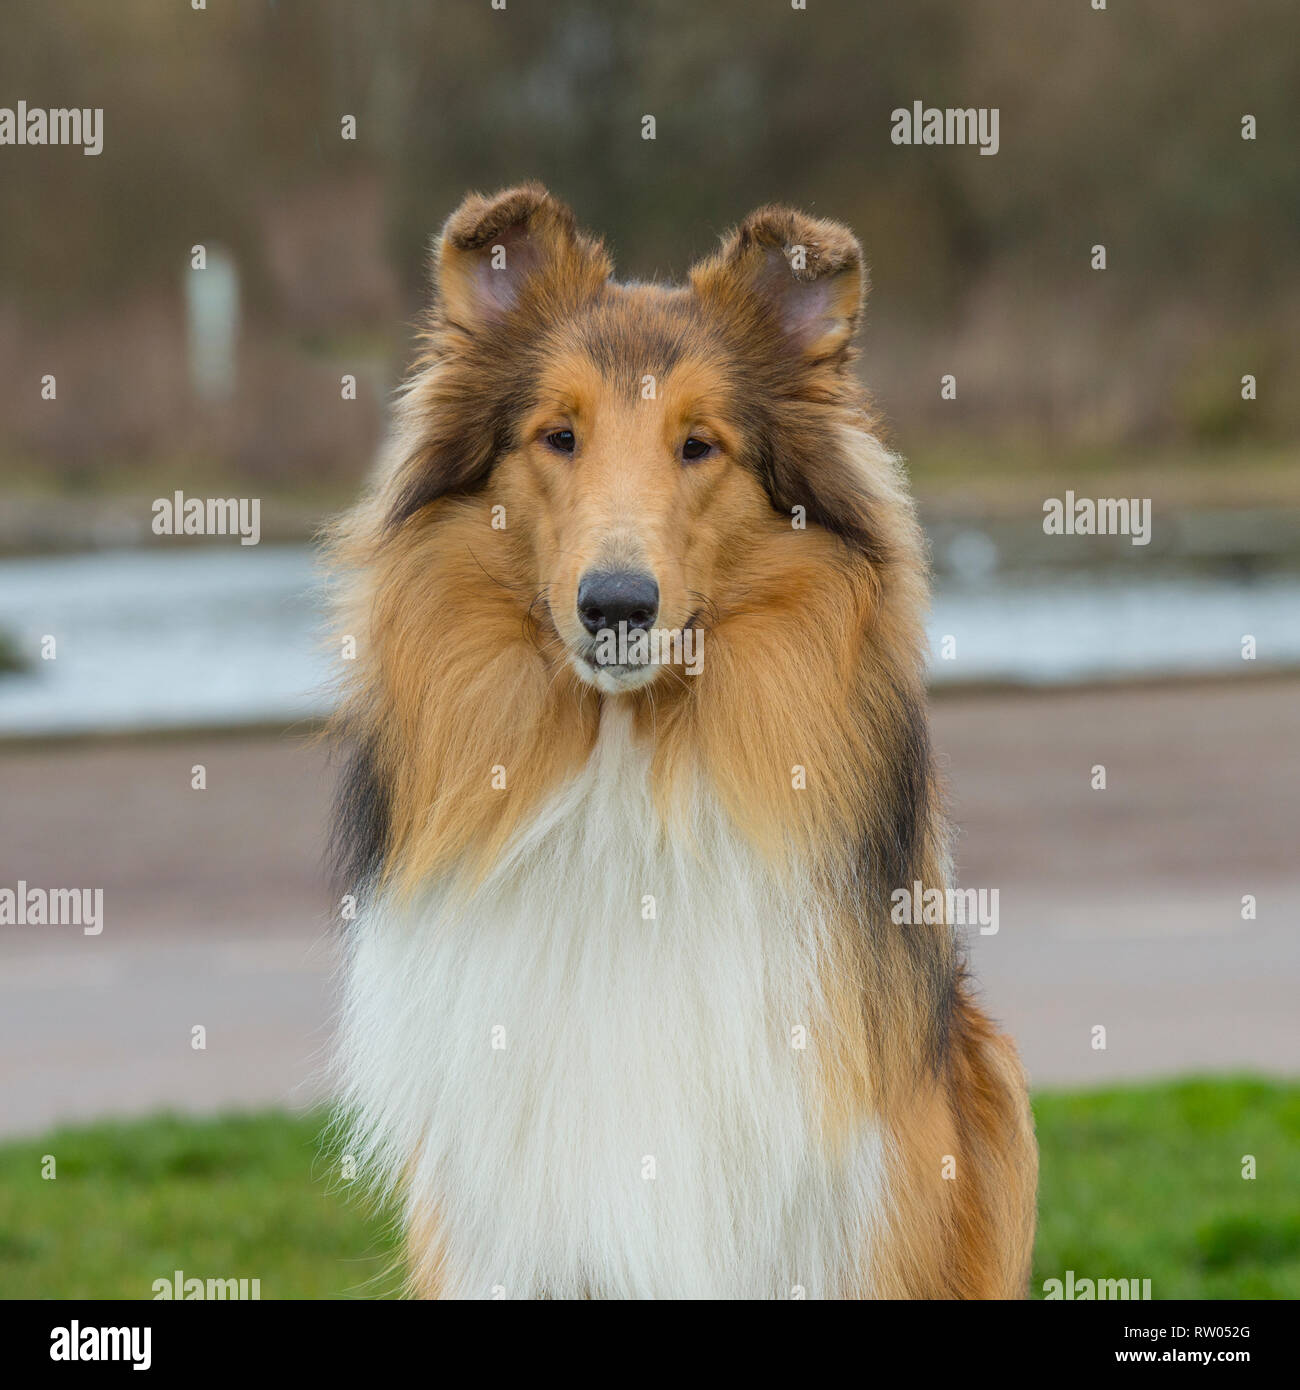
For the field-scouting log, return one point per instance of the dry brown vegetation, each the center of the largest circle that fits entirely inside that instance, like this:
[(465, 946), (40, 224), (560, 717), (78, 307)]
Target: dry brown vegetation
[(223, 127)]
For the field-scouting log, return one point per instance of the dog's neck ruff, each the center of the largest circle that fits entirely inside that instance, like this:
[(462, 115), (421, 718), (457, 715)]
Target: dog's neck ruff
[(597, 1073)]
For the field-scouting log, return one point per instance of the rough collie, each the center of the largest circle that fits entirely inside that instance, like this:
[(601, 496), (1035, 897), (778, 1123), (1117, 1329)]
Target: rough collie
[(626, 1013)]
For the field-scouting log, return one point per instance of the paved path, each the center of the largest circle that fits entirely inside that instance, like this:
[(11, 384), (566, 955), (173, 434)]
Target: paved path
[(1118, 907)]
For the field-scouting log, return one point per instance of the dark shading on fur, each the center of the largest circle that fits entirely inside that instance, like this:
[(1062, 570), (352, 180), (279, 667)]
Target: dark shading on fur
[(454, 466), (898, 829), (359, 830), (627, 347), (895, 854), (788, 484)]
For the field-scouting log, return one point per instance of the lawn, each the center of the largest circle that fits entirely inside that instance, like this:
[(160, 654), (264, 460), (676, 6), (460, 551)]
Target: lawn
[(1139, 1182)]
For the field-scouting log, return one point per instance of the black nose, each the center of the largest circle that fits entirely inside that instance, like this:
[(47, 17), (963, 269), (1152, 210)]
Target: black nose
[(609, 597)]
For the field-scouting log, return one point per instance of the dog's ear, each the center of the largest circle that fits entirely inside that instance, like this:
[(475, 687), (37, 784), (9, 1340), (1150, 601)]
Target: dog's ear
[(791, 289), (495, 252), (804, 275)]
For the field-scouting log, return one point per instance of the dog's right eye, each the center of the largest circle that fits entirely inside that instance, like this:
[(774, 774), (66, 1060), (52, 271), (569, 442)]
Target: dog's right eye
[(562, 440)]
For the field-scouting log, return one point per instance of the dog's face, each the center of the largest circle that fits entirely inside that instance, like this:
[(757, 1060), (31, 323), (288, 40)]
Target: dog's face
[(637, 440), (631, 482)]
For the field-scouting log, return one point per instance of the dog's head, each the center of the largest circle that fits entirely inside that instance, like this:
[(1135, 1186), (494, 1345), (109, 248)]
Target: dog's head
[(638, 441)]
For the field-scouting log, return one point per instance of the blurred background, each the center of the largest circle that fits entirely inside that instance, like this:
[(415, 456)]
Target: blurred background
[(1123, 907)]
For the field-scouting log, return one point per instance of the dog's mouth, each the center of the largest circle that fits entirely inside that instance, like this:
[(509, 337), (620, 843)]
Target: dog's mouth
[(618, 660), (614, 680), (612, 677)]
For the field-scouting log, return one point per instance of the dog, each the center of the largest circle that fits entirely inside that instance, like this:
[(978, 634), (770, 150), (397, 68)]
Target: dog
[(625, 1012)]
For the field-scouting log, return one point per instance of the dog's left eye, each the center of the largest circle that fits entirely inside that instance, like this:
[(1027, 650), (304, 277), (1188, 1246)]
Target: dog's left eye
[(695, 448), (562, 440)]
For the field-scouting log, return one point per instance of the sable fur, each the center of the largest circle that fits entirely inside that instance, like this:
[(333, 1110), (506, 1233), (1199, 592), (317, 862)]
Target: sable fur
[(813, 658)]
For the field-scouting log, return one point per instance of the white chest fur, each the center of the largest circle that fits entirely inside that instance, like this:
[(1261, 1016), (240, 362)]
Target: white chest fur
[(590, 1068)]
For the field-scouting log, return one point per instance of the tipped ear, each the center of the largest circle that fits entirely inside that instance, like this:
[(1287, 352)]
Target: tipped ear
[(495, 251), (805, 273)]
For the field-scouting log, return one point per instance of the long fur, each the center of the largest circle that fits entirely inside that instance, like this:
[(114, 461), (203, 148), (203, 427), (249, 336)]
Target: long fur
[(626, 1014)]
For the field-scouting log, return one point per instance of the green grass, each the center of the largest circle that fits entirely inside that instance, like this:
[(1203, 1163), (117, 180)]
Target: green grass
[(1146, 1182), (249, 1196), (1140, 1182)]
